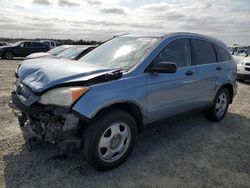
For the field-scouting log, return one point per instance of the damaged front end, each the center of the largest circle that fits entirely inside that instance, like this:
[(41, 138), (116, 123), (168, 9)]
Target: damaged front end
[(48, 115), (57, 125), (43, 96)]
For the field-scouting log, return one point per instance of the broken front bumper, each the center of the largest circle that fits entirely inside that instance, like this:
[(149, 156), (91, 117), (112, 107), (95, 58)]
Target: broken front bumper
[(47, 123)]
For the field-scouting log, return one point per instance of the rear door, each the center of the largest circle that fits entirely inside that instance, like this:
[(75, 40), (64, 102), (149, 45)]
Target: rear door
[(169, 94), (209, 71), (39, 47), (24, 49)]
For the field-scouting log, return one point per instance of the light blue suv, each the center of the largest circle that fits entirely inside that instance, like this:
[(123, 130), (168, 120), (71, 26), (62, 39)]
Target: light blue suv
[(103, 101)]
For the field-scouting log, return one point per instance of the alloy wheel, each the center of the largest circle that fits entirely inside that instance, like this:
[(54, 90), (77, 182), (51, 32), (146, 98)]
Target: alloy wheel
[(221, 104), (114, 142)]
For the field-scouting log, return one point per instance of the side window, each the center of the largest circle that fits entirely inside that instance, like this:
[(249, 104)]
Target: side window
[(204, 52), (52, 44), (21, 45), (178, 51), (27, 45), (222, 55), (37, 45)]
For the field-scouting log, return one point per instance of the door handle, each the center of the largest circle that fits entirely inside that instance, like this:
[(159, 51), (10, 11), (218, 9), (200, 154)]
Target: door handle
[(189, 73), (218, 68)]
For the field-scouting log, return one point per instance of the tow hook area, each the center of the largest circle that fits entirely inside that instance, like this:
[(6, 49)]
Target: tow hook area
[(32, 140), (63, 135), (52, 124)]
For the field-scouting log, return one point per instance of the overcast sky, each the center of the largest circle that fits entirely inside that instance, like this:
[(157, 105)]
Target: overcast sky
[(228, 20)]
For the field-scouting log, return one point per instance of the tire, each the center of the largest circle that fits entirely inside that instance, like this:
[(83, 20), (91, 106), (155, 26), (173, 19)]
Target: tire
[(220, 107), (109, 139), (8, 55)]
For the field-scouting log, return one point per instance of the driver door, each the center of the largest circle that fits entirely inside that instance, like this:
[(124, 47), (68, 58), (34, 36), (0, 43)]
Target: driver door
[(170, 94)]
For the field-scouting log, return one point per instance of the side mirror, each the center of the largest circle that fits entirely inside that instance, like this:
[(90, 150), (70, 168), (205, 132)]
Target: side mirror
[(164, 67)]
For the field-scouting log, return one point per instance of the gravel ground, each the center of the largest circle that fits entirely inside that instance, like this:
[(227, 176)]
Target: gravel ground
[(189, 152)]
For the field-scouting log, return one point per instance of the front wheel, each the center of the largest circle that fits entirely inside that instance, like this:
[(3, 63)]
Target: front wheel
[(109, 139), (220, 107), (8, 55)]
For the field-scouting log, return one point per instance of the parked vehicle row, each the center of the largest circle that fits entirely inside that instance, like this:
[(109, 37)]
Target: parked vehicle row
[(32, 50), (101, 102), (64, 51)]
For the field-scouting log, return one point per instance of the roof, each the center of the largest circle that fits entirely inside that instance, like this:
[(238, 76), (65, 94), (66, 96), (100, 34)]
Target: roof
[(186, 34)]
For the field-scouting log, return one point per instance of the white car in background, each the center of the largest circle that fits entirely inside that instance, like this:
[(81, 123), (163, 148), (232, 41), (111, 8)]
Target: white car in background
[(243, 69), (51, 53), (238, 52), (238, 58)]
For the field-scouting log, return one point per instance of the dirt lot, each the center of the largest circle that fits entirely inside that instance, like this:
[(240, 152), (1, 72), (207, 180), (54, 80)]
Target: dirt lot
[(189, 152)]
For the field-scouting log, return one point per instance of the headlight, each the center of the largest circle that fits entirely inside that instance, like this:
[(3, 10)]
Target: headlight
[(241, 63), (64, 96)]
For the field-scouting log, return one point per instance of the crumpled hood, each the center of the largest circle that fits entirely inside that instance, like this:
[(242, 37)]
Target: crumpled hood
[(42, 74), (38, 55)]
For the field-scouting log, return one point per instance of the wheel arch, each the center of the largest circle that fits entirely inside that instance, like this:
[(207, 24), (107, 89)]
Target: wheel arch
[(8, 50), (130, 107), (230, 88)]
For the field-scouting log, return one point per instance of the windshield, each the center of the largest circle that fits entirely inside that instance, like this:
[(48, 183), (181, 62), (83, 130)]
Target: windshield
[(70, 53), (121, 52), (57, 50), (17, 43)]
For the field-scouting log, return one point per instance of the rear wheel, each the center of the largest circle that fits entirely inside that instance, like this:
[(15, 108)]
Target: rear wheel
[(220, 107), (109, 139), (8, 55)]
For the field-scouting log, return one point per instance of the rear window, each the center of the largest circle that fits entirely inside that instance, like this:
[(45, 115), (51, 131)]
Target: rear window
[(204, 52), (222, 55)]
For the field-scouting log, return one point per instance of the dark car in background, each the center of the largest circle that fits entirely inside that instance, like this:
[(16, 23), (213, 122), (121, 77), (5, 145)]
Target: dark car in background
[(75, 52), (22, 49), (55, 51)]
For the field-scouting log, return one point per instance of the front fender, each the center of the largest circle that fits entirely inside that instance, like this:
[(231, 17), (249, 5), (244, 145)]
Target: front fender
[(106, 94)]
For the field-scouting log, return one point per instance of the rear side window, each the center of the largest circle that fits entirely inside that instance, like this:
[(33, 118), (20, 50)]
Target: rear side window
[(178, 51), (222, 55), (204, 52), (38, 45)]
